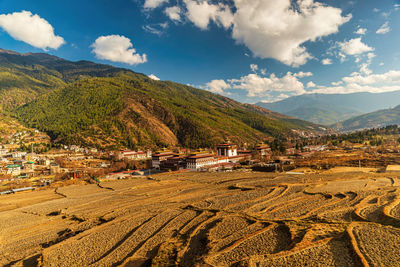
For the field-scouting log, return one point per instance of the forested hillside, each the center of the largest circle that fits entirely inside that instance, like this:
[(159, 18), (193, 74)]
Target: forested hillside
[(99, 105)]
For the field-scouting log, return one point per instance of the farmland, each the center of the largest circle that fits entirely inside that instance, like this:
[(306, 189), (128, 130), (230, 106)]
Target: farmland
[(340, 218)]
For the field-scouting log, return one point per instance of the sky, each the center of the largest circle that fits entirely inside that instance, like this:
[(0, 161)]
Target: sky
[(248, 50)]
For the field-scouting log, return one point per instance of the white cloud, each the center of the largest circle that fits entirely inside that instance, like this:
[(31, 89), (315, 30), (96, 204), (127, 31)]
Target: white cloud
[(150, 4), (254, 67), (263, 71), (153, 77), (326, 61), (157, 28), (256, 85), (376, 10), (303, 74), (357, 82), (311, 84), (174, 13), (202, 12), (361, 31), (273, 29), (217, 86), (117, 48), (381, 64), (385, 28), (31, 29), (354, 47)]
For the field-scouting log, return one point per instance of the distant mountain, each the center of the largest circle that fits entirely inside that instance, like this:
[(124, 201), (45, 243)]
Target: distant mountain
[(328, 109), (375, 119), (99, 105)]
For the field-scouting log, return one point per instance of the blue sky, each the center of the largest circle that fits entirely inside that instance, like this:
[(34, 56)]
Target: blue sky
[(253, 50)]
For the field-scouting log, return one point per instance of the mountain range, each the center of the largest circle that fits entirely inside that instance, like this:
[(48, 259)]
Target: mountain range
[(328, 109), (100, 105), (375, 119)]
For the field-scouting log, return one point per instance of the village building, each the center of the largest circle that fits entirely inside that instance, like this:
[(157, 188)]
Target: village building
[(13, 169), (133, 155), (44, 162), (198, 160), (18, 154), (263, 150), (54, 168), (227, 149), (178, 162), (29, 166), (161, 156)]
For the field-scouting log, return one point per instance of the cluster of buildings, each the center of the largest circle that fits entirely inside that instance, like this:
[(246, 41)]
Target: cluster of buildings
[(20, 164), (226, 157)]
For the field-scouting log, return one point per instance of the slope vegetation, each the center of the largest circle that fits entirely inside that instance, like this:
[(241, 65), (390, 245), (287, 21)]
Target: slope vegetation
[(94, 104), (132, 110)]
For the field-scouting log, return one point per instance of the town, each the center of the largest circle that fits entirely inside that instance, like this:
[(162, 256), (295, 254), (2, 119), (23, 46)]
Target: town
[(28, 159)]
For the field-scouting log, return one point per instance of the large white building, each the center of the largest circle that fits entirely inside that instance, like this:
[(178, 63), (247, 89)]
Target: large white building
[(198, 160)]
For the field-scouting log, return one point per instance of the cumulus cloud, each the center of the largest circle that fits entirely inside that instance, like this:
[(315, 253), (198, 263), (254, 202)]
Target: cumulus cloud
[(174, 13), (273, 29), (354, 47), (217, 86), (270, 29), (151, 4), (361, 31), (385, 28), (202, 12), (362, 82), (326, 61), (153, 77), (117, 48), (256, 85), (31, 29)]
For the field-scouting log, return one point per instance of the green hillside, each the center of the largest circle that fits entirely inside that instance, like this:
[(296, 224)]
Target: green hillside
[(133, 110), (99, 105), (375, 119), (23, 77)]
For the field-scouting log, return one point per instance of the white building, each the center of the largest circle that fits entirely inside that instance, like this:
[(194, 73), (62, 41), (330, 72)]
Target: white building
[(227, 149), (198, 160)]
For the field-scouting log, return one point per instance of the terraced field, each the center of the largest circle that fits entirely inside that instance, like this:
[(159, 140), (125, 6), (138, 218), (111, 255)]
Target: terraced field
[(207, 219)]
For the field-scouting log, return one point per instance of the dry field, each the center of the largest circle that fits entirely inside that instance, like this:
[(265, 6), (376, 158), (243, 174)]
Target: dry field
[(208, 219)]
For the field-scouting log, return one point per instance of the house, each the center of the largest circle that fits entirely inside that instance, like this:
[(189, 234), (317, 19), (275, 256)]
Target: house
[(198, 160), (18, 154), (133, 155), (178, 162), (14, 169), (44, 162), (263, 150), (29, 166), (161, 156), (54, 168), (227, 149)]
